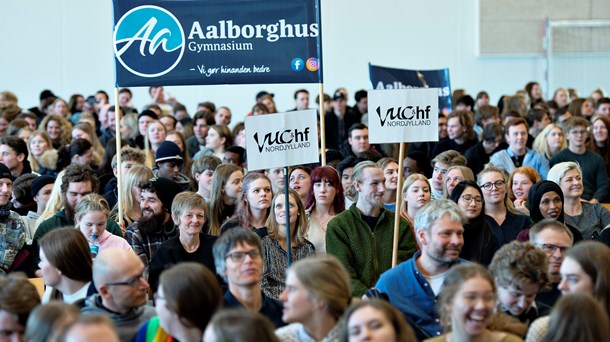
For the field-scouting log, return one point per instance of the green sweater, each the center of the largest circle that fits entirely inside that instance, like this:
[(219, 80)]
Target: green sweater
[(364, 254)]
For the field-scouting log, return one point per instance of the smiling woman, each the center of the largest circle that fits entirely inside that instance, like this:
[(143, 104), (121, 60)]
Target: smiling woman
[(189, 214)]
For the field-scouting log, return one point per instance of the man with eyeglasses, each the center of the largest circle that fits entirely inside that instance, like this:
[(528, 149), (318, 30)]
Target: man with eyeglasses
[(517, 154), (594, 172), (122, 291), (554, 238), (238, 260)]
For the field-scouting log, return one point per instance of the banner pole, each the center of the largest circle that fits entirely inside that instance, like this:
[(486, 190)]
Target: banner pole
[(287, 208), (401, 157), (322, 125), (119, 175)]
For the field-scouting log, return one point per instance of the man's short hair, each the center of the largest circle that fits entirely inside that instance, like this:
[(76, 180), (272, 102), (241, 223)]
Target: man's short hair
[(346, 163), (465, 100), (536, 114), (76, 173), (296, 93), (450, 158), (491, 131), (515, 122), (17, 144), (205, 163), (520, 263), (129, 153), (550, 224), (486, 112), (603, 100), (240, 151), (354, 127), (229, 240), (574, 121), (360, 94), (425, 217), (18, 296), (125, 90)]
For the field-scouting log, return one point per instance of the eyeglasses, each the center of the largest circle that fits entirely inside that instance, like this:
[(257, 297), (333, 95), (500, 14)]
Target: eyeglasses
[(470, 198), (130, 282), (239, 256), (550, 248), (583, 132), (490, 185)]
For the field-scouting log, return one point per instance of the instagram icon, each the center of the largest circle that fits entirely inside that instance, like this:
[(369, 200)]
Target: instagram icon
[(312, 64)]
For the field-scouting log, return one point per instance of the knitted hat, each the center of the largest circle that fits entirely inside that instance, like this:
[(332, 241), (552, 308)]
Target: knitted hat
[(39, 183), (168, 151), (166, 189), (148, 113), (5, 172)]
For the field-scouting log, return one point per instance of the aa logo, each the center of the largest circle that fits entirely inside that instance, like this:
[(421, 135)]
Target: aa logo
[(149, 41)]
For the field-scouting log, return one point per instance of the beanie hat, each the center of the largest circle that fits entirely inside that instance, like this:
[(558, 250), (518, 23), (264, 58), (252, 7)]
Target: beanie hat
[(166, 189), (39, 183), (5, 172), (168, 150), (148, 113)]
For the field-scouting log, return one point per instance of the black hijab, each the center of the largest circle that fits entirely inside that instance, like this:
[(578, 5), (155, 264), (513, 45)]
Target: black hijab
[(534, 197)]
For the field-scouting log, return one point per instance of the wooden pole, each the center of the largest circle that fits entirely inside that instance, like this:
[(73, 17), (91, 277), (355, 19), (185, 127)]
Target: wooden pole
[(322, 125), (287, 208), (119, 175), (401, 157)]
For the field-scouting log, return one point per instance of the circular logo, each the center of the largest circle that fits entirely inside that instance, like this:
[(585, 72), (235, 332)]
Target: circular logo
[(149, 41), (297, 64), (312, 64)]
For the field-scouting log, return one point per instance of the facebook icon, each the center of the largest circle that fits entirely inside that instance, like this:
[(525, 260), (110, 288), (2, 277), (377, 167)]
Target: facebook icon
[(297, 64)]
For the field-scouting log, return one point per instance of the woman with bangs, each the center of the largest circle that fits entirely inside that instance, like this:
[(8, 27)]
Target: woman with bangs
[(325, 200), (254, 206), (520, 182), (43, 157), (505, 221), (550, 141), (274, 245)]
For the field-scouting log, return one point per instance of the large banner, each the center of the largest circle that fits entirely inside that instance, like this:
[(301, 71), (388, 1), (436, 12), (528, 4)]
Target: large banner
[(403, 115), (282, 139), (197, 42), (390, 78)]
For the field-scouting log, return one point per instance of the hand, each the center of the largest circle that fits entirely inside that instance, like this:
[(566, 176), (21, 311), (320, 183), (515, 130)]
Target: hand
[(520, 205)]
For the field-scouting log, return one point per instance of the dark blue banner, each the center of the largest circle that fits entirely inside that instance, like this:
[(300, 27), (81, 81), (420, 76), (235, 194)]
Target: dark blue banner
[(389, 78), (198, 42)]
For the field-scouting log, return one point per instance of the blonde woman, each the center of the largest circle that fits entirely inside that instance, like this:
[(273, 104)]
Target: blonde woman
[(43, 157), (550, 141), (274, 245), (505, 221), (454, 175), (415, 194), (58, 129), (130, 196), (55, 202)]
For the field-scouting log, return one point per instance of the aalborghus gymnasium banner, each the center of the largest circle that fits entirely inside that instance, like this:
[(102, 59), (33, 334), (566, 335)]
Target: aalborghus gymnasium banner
[(390, 78), (180, 42)]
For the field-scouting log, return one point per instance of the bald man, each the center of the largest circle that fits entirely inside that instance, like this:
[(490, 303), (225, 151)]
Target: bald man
[(123, 291), (91, 328)]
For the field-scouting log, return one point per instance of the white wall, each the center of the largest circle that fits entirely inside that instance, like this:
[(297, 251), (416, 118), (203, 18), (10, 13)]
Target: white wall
[(66, 46)]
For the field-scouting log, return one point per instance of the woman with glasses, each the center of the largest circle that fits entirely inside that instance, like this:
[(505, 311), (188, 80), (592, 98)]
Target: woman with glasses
[(480, 243), (188, 213), (505, 221), (274, 245), (183, 309), (589, 218)]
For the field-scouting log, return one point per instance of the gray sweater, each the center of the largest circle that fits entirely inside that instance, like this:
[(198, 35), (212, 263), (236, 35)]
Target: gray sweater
[(594, 218)]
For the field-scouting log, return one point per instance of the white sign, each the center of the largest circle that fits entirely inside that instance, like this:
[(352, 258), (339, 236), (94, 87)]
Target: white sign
[(282, 139), (403, 115)]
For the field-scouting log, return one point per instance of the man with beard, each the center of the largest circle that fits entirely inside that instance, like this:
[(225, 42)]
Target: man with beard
[(12, 229), (414, 285), (362, 236), (77, 182), (156, 225)]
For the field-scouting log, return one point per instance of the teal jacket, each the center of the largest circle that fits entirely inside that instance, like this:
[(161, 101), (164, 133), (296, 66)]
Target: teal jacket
[(365, 254), (60, 220)]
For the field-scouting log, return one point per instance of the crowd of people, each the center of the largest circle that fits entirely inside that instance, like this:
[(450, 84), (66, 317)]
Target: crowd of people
[(502, 234)]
